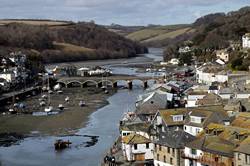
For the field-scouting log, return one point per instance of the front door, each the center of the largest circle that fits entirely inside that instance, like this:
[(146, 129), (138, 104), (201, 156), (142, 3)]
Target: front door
[(140, 157)]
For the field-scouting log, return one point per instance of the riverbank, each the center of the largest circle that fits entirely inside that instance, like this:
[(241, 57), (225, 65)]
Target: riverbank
[(69, 121)]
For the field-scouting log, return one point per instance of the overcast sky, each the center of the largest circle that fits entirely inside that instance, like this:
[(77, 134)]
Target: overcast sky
[(125, 12)]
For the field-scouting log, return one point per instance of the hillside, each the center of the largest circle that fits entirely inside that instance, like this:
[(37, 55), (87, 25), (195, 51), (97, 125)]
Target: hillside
[(159, 36), (58, 41), (215, 31)]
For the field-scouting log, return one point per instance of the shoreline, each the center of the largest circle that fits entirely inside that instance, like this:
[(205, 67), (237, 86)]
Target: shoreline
[(67, 122)]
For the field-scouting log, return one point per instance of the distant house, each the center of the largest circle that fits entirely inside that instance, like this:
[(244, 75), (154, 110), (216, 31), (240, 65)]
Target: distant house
[(137, 148), (174, 61), (169, 147), (184, 49), (246, 40), (9, 76), (209, 73), (210, 99), (223, 55)]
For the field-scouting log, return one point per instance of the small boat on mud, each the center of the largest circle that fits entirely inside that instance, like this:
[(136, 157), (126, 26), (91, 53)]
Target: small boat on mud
[(48, 109), (82, 103), (60, 106), (60, 144)]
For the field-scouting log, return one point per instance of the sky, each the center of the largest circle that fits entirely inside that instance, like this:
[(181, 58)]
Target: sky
[(123, 12)]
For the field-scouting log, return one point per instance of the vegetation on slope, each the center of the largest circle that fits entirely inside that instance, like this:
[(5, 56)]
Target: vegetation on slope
[(71, 42)]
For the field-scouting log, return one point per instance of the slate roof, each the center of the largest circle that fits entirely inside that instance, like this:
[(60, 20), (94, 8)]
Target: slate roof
[(135, 139), (209, 115), (167, 116), (220, 139), (210, 99), (153, 102), (244, 147), (144, 127), (175, 139)]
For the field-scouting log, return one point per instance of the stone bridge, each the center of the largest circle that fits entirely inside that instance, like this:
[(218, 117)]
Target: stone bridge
[(111, 81)]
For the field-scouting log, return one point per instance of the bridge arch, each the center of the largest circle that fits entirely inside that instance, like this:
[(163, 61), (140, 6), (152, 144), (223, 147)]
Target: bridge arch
[(63, 84), (85, 83), (74, 83), (106, 82)]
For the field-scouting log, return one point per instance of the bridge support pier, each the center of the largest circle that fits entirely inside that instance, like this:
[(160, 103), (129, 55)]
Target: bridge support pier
[(114, 85), (130, 85), (99, 85), (145, 84)]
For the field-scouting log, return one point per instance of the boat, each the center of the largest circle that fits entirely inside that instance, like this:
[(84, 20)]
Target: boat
[(82, 103), (42, 103), (12, 111), (60, 92), (60, 106), (67, 99), (48, 109), (60, 144)]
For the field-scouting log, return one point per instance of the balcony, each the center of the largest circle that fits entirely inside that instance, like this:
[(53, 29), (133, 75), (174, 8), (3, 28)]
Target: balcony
[(203, 160)]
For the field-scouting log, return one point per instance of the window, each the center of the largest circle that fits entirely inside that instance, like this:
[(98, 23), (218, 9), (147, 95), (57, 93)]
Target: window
[(185, 128), (158, 157), (168, 149), (171, 160), (239, 156), (159, 147), (177, 118), (147, 145), (193, 151), (173, 152), (135, 146), (124, 134), (164, 158)]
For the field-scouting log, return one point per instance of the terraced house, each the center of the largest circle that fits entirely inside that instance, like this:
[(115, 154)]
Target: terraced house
[(217, 145)]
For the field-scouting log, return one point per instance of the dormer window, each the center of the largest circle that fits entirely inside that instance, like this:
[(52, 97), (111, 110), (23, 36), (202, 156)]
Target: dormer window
[(196, 119), (177, 118)]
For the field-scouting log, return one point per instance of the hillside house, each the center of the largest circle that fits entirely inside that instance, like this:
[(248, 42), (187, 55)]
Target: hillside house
[(246, 40)]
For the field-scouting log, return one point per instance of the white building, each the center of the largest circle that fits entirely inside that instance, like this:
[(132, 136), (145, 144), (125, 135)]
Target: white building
[(223, 55), (246, 41), (174, 61), (137, 148), (208, 74), (192, 154), (8, 76)]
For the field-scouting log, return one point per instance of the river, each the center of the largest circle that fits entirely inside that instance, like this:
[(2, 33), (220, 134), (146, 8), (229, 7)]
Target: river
[(39, 151)]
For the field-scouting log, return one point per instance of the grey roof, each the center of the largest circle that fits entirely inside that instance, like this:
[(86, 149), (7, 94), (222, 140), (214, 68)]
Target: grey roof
[(175, 138)]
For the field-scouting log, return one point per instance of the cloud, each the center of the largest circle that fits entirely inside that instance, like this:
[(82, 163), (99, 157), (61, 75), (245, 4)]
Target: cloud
[(127, 12)]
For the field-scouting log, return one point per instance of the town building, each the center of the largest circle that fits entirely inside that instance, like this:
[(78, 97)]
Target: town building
[(215, 146), (199, 118), (137, 148), (148, 104), (246, 40), (169, 147), (169, 119), (223, 55), (242, 153), (209, 73)]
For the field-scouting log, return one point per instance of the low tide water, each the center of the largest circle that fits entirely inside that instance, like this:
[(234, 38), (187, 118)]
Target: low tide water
[(89, 144)]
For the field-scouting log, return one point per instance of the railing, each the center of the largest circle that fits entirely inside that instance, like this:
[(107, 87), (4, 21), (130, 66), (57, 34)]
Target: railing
[(203, 160)]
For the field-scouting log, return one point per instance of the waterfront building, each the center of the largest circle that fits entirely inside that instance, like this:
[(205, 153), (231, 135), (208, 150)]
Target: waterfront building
[(137, 148), (140, 128), (169, 147)]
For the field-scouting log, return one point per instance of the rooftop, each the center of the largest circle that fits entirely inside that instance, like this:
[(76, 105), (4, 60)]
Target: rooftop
[(135, 139)]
